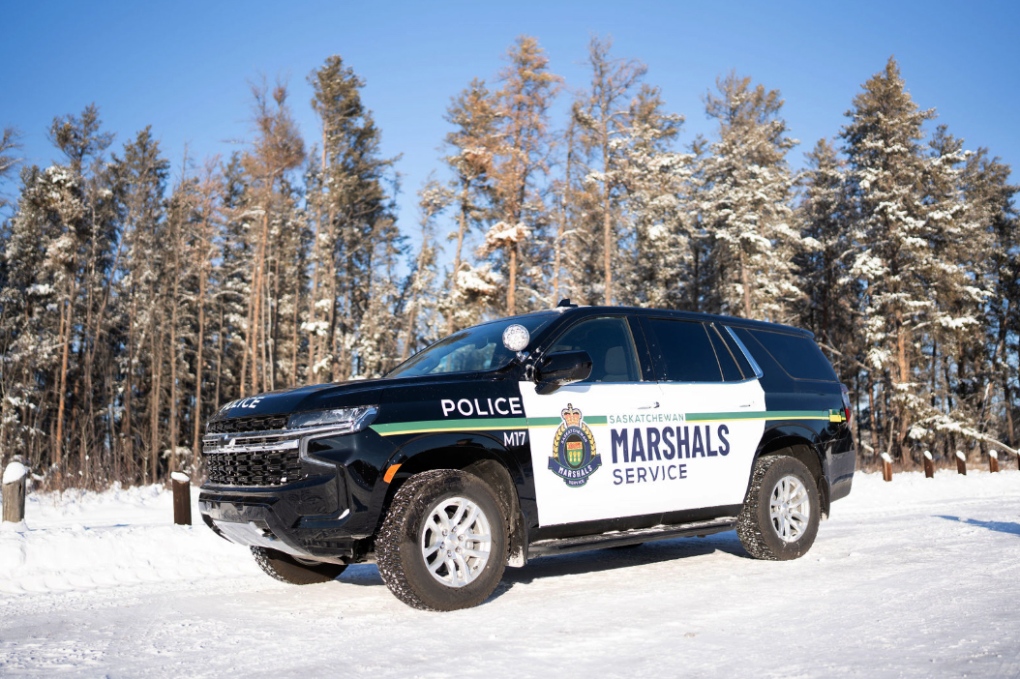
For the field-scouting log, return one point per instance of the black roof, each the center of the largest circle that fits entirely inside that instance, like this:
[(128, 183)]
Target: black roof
[(574, 311)]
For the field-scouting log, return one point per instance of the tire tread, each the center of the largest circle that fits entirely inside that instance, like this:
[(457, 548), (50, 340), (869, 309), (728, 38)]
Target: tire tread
[(412, 500)]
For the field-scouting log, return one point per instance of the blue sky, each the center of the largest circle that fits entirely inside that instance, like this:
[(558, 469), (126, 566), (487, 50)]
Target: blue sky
[(184, 67)]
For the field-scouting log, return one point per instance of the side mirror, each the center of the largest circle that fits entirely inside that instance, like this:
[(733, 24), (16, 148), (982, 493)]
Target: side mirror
[(562, 367)]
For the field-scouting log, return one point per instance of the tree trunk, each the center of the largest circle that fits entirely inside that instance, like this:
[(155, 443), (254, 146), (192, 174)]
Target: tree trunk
[(745, 283), (154, 406), (65, 337), (196, 451), (462, 218), (511, 299), (903, 364)]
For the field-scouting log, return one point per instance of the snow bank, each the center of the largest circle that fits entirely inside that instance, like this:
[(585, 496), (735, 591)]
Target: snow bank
[(82, 540)]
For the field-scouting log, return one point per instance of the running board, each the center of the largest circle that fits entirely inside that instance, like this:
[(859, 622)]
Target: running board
[(630, 537)]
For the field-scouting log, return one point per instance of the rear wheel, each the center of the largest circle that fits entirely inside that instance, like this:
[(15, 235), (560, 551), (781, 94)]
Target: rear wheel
[(779, 519), (289, 569), (443, 544)]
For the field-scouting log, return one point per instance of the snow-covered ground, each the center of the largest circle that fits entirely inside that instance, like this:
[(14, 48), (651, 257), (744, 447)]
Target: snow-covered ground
[(914, 578)]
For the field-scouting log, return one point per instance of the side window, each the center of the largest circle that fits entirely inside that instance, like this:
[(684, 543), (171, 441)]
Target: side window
[(799, 356), (686, 350), (609, 343)]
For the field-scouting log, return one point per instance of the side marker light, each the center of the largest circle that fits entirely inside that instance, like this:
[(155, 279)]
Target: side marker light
[(390, 472)]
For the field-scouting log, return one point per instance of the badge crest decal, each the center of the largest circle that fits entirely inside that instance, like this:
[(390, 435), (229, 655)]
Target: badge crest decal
[(574, 457)]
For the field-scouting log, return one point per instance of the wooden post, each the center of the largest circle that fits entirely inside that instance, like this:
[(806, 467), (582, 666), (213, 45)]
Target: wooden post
[(181, 484), (886, 467), (15, 475), (929, 465), (993, 461), (961, 463)]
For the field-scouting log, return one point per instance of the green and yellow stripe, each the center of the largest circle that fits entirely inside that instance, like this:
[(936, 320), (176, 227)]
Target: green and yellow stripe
[(508, 423)]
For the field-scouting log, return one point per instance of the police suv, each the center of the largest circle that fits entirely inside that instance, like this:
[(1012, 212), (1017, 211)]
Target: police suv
[(557, 431)]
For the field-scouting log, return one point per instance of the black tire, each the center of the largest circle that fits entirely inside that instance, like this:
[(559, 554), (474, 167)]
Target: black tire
[(401, 549), (286, 568), (760, 534)]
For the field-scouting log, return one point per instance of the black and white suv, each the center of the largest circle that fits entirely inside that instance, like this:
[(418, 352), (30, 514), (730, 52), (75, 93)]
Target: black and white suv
[(556, 431)]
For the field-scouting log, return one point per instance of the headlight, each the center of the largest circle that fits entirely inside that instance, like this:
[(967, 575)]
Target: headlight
[(346, 419)]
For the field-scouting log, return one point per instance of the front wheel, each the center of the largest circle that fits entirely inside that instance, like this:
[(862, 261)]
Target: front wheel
[(779, 519), (443, 544)]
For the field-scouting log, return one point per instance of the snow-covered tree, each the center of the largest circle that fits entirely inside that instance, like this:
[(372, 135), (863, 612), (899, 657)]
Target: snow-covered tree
[(824, 214), (139, 306), (989, 198), (743, 203), (473, 114), (887, 170), (356, 242), (277, 149), (520, 150), (656, 179), (601, 118)]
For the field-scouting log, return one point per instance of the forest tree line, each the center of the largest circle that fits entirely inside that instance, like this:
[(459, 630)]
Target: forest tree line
[(131, 309)]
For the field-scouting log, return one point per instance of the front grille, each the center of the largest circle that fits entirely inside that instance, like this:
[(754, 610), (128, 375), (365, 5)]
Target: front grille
[(247, 424), (251, 451), (253, 467)]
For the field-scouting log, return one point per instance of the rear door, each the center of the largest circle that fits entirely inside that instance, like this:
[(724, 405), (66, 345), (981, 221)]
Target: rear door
[(713, 416)]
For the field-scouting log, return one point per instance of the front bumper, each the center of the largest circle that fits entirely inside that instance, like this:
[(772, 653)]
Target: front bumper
[(311, 494), (302, 519)]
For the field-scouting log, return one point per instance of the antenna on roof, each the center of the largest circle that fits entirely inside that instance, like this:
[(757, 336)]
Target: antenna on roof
[(565, 302)]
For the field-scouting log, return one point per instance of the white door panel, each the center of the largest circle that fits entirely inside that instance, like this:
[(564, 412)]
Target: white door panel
[(608, 450)]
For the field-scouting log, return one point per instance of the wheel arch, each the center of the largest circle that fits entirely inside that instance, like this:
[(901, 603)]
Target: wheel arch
[(794, 442), (480, 455)]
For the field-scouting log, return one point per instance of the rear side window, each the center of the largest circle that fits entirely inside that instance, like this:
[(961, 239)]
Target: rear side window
[(687, 354), (799, 356)]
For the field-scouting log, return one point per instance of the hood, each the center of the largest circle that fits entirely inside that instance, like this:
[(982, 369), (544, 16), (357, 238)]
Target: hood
[(346, 394)]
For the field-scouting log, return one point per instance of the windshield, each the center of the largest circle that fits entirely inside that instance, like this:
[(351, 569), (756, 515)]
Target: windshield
[(476, 349)]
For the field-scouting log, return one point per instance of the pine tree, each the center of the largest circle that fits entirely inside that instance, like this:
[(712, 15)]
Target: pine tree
[(29, 353), (824, 213), (139, 307), (601, 115), (232, 274), (656, 180), (277, 149), (990, 202), (357, 243), (420, 295), (81, 259), (887, 171), (474, 116), (521, 147), (743, 201), (577, 247), (201, 254), (8, 160)]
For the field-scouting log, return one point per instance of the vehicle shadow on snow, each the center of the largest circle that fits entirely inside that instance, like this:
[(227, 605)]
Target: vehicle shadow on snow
[(612, 559), (997, 526), (594, 561), (363, 575)]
